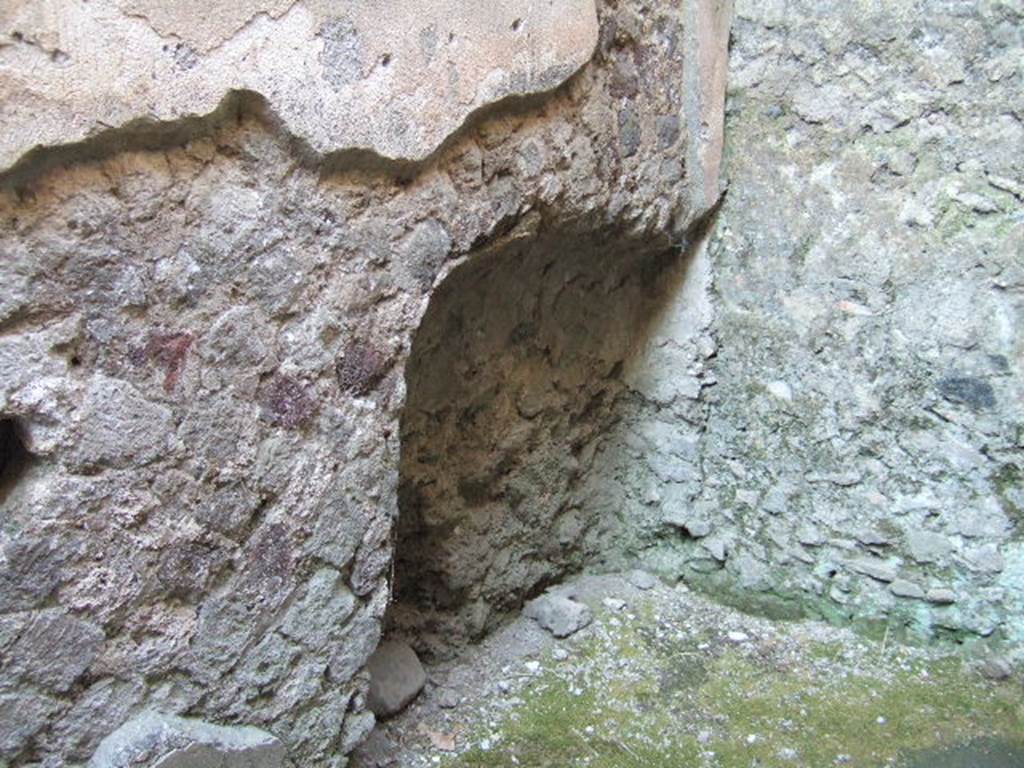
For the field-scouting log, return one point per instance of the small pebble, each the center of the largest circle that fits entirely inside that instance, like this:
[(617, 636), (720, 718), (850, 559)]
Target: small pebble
[(996, 669), (560, 654), (533, 667), (613, 603), (448, 699), (642, 580), (738, 637)]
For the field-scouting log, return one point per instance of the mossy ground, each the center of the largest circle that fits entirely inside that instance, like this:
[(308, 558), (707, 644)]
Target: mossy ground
[(643, 691)]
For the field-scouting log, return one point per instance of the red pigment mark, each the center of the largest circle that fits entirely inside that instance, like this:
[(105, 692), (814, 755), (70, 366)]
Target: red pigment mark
[(168, 350)]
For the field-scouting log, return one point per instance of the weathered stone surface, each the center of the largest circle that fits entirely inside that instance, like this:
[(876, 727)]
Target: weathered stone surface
[(996, 668), (908, 589), (54, 650), (215, 339), (125, 427), (928, 547), (396, 79), (396, 678), (155, 739), (860, 364), (941, 596), (205, 326), (560, 615), (642, 580)]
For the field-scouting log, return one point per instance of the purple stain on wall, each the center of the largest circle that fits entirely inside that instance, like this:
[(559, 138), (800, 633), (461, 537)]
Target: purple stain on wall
[(286, 401), (361, 368)]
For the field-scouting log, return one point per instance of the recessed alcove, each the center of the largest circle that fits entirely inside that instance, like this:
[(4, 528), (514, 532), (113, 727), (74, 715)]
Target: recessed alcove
[(516, 388)]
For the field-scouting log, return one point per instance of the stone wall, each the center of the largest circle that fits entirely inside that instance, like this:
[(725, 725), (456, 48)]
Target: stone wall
[(205, 320), (520, 371), (256, 327), (863, 450)]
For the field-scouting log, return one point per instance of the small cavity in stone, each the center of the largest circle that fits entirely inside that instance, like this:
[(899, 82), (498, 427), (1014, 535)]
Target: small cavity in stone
[(14, 457)]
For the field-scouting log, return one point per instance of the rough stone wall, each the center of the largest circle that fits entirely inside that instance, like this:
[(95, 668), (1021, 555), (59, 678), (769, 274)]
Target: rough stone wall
[(864, 445), (554, 388), (203, 335), (519, 373)]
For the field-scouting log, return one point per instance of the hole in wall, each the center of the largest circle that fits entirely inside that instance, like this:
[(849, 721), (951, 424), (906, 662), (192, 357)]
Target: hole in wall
[(15, 458), (514, 385)]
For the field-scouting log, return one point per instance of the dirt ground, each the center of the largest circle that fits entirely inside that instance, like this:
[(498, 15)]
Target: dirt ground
[(663, 677)]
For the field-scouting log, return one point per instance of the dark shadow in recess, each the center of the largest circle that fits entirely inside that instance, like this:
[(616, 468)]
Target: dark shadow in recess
[(14, 456), (513, 383)]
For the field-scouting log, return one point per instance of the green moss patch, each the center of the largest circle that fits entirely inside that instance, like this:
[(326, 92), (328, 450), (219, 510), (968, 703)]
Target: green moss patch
[(644, 691)]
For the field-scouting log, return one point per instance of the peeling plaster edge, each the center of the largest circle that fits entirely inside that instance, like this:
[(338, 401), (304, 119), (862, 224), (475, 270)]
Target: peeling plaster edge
[(143, 134)]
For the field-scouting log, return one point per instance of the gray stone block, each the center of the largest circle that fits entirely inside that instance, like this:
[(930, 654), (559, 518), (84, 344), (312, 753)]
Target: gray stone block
[(396, 678), (559, 615), (156, 740)]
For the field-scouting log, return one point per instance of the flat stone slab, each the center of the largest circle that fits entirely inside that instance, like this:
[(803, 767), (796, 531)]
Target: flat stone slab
[(395, 78), (157, 740), (396, 677), (561, 616)]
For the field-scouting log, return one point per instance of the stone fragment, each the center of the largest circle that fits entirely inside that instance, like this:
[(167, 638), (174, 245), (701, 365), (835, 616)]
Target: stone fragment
[(286, 401), (629, 131), (872, 537), (361, 367), (751, 572), (695, 525), (747, 496), (354, 649), (667, 128), (904, 588), (327, 603), (425, 250), (55, 649), (613, 603), (120, 426), (977, 394), (22, 714), (559, 615), (876, 569), (642, 580), (237, 341), (985, 559), (718, 548), (357, 728), (156, 739), (448, 699), (776, 500), (996, 668), (928, 547), (396, 677), (810, 536), (941, 596)]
